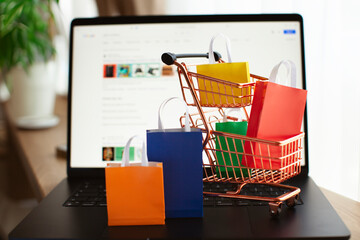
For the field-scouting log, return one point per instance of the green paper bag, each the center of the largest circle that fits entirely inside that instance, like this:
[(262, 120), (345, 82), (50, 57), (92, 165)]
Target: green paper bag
[(227, 144)]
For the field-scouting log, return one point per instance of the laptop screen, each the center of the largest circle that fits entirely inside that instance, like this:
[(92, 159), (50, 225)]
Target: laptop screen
[(118, 80)]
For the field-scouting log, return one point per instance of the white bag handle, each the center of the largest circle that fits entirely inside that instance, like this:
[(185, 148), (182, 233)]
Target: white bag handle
[(291, 69), (126, 153), (211, 50), (187, 121)]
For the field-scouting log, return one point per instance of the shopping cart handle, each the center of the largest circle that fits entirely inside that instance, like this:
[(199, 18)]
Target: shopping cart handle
[(169, 58)]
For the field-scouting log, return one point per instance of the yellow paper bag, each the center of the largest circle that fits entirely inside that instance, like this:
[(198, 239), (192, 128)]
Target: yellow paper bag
[(225, 91)]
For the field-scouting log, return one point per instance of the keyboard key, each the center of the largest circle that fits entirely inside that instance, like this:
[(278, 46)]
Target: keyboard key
[(242, 202), (224, 201), (259, 203), (102, 204), (208, 201), (88, 204), (72, 204)]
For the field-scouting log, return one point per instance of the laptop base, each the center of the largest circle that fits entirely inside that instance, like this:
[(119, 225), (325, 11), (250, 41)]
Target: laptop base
[(310, 220)]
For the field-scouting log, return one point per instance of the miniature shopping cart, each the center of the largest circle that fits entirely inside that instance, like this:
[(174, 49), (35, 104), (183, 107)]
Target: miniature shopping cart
[(224, 162)]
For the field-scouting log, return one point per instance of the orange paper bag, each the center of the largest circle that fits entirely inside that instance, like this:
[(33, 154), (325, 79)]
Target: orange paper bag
[(135, 192), (276, 114), (228, 92)]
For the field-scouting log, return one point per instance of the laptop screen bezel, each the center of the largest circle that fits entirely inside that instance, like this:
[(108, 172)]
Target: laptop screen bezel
[(100, 172)]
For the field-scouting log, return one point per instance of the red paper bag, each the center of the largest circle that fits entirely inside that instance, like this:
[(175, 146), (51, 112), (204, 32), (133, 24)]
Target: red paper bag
[(276, 114)]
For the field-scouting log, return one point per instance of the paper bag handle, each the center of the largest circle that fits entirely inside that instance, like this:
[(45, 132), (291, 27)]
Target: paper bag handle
[(126, 153), (291, 68), (211, 50), (187, 121)]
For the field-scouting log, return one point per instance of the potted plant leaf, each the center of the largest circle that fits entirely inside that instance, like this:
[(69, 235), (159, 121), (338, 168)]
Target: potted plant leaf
[(27, 66)]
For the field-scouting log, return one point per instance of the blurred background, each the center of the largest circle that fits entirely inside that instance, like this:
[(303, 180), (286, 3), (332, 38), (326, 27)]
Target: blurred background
[(332, 36)]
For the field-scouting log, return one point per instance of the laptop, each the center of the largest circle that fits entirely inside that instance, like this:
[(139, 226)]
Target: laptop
[(117, 82)]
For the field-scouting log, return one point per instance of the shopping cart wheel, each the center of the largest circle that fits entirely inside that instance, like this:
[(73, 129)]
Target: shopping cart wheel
[(291, 202), (275, 208)]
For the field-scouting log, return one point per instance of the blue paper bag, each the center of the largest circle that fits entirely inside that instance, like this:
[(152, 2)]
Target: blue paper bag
[(180, 151)]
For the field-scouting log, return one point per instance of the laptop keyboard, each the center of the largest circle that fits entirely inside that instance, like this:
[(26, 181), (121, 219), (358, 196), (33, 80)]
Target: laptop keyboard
[(93, 194), (261, 190), (88, 194)]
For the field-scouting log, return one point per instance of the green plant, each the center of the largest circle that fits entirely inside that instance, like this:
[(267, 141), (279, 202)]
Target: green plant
[(25, 33)]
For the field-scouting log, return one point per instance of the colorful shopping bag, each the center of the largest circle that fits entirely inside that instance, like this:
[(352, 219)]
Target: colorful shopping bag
[(135, 192), (277, 114), (224, 145), (218, 93), (180, 151)]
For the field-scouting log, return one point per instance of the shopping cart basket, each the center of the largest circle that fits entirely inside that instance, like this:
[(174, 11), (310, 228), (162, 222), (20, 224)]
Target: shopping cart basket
[(225, 151)]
